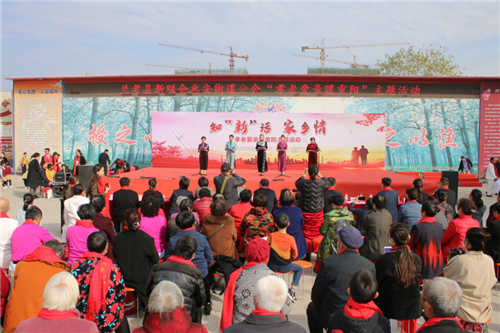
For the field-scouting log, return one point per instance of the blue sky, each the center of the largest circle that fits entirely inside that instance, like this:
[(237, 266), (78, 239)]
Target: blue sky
[(113, 38)]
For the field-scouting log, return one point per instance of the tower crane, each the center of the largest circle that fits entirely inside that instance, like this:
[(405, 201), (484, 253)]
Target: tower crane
[(322, 55), (231, 54)]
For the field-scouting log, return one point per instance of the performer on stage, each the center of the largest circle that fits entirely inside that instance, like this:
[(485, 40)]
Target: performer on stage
[(79, 160), (313, 150), (203, 149), (231, 152), (282, 148), (261, 148)]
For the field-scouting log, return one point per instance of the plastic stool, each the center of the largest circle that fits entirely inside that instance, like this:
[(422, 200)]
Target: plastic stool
[(132, 290), (304, 264)]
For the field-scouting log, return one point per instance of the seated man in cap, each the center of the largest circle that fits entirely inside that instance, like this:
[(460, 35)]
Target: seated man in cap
[(329, 292), (270, 296), (227, 185), (441, 299)]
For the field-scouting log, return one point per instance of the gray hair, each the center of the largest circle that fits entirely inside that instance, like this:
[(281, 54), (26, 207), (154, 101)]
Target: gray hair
[(165, 298), (180, 199), (61, 292), (271, 292), (444, 296)]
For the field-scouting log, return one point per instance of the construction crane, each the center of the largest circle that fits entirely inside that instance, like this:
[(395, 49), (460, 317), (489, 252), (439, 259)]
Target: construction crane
[(231, 54), (188, 68), (322, 55)]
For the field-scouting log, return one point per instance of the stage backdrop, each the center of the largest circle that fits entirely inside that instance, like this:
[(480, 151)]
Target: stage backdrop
[(176, 137)]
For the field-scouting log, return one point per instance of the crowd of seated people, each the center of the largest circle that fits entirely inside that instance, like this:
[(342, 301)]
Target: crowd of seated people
[(376, 263)]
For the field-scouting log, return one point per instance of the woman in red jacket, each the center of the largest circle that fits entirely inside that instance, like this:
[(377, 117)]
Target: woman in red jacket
[(457, 229)]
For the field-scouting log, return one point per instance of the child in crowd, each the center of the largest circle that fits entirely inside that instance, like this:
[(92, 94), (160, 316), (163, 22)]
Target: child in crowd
[(49, 172), (3, 175), (283, 252), (360, 313)]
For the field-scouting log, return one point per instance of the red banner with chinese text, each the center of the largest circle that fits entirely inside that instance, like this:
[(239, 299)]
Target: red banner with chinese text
[(489, 129)]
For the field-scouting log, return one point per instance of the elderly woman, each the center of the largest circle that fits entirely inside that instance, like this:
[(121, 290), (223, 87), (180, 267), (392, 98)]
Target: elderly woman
[(474, 273), (102, 289), (59, 313), (258, 223), (455, 233), (135, 253), (240, 291), (77, 235), (167, 312), (220, 230)]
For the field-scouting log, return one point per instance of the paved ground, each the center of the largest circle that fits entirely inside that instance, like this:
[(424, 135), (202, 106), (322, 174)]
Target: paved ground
[(51, 221)]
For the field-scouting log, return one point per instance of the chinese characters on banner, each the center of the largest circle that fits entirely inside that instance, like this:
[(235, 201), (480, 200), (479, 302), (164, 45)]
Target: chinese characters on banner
[(97, 134), (280, 89), (6, 123), (489, 131), (446, 138)]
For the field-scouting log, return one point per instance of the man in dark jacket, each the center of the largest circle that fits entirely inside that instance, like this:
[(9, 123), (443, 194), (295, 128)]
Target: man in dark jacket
[(270, 194), (181, 192), (376, 226), (329, 292), (227, 185), (391, 198), (312, 190), (123, 199), (104, 160), (103, 223), (180, 270), (329, 194), (493, 245), (465, 165), (451, 199), (360, 314), (441, 299), (271, 293), (361, 212)]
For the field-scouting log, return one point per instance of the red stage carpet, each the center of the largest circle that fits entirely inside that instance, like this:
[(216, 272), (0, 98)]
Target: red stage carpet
[(353, 181)]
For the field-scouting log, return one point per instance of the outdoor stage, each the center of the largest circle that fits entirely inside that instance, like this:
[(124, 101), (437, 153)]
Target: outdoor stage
[(350, 180)]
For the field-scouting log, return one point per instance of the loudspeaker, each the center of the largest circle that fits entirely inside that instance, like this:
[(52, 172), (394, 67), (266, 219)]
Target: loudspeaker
[(85, 174), (59, 177), (453, 177)]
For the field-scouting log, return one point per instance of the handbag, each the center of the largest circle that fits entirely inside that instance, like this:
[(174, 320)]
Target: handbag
[(25, 175)]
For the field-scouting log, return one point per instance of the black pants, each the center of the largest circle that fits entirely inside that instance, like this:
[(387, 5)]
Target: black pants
[(123, 327), (314, 319), (24, 169), (206, 283)]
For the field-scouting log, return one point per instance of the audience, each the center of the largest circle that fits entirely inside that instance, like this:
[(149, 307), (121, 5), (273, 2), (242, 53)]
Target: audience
[(398, 277), (185, 205), (152, 223), (135, 253), (227, 185), (269, 299), (312, 202), (97, 184), (391, 198), (425, 241), (28, 201), (360, 313), (30, 278), (7, 227), (29, 235), (493, 246), (102, 289), (69, 190), (203, 184), (77, 235), (180, 270), (283, 252), (491, 216), (422, 196), (441, 299), (335, 219), (329, 194), (270, 194), (440, 217), (103, 223), (167, 312), (58, 313), (451, 196), (258, 223), (71, 206), (296, 221), (476, 196), (329, 292), (220, 230), (376, 226), (455, 233), (449, 211), (123, 199), (4, 292), (182, 191), (474, 272), (409, 213), (157, 194), (240, 291), (34, 179), (202, 205), (239, 211)]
